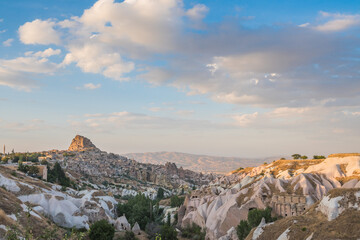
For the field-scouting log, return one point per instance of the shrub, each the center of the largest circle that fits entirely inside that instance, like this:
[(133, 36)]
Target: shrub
[(101, 230), (243, 229), (255, 216), (193, 232), (168, 233), (176, 201), (152, 229), (137, 209), (57, 175), (254, 219), (13, 173), (160, 194), (128, 236)]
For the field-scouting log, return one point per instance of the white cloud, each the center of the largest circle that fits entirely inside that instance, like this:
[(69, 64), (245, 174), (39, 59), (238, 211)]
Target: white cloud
[(91, 86), (286, 112), (198, 12), (39, 32), (19, 72), (304, 25), (155, 109), (8, 43), (16, 80), (185, 112), (351, 113), (29, 64), (213, 67), (263, 67), (44, 54), (235, 98), (156, 76), (244, 120), (128, 120), (96, 58), (23, 126), (338, 22)]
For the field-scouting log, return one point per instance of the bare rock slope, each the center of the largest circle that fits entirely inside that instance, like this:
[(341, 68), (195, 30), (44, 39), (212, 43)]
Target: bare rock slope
[(80, 143), (21, 195), (290, 187)]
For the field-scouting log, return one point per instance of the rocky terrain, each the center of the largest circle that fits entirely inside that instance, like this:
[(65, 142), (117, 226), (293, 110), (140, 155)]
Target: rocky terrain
[(313, 199), (197, 163), (80, 143), (336, 216), (29, 203), (290, 187), (85, 160)]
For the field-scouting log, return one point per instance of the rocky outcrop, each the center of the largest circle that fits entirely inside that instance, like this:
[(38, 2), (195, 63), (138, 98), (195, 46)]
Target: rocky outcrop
[(335, 216), (80, 143), (227, 200)]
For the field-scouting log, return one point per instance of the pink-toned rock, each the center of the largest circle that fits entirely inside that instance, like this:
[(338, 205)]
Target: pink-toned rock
[(80, 143)]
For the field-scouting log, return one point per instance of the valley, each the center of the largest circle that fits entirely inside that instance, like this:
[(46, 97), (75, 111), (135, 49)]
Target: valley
[(106, 186)]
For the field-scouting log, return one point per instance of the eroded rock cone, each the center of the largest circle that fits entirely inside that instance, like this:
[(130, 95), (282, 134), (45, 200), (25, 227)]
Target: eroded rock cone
[(80, 143)]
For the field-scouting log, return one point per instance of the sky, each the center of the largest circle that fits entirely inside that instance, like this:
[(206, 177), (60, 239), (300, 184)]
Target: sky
[(246, 78)]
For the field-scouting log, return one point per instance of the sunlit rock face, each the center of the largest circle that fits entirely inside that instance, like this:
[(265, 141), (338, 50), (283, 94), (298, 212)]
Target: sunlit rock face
[(80, 143)]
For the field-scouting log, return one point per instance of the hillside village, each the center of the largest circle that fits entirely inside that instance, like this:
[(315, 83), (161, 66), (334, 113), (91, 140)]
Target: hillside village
[(104, 186)]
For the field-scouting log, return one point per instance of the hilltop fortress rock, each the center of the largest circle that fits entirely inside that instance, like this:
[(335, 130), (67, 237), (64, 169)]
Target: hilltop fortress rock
[(80, 143)]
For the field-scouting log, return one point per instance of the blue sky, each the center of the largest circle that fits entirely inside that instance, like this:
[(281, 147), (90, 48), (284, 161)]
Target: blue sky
[(232, 78)]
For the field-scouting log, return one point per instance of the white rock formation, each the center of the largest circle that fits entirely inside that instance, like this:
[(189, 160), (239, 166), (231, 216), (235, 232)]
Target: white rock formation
[(122, 224), (136, 228)]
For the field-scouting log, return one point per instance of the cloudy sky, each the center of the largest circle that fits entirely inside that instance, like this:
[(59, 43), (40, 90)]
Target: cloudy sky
[(250, 78)]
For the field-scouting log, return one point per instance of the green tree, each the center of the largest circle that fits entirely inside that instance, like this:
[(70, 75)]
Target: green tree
[(304, 157), (243, 229), (33, 170), (57, 175), (137, 209), (176, 201), (101, 230), (44, 162), (193, 231), (254, 219), (255, 216), (160, 193), (296, 156), (168, 233), (319, 157)]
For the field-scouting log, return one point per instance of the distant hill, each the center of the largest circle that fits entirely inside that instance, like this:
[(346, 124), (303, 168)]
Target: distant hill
[(198, 163)]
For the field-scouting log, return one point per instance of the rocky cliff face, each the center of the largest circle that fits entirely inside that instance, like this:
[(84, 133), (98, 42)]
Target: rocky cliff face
[(336, 216), (290, 187), (80, 143)]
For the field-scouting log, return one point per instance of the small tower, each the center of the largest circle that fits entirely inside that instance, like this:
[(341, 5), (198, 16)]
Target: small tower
[(4, 150)]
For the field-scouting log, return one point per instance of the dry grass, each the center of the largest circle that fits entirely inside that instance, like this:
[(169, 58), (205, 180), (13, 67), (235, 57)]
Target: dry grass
[(343, 180), (341, 155), (293, 165), (343, 167), (243, 170), (240, 199)]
